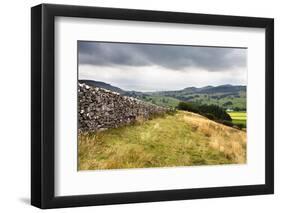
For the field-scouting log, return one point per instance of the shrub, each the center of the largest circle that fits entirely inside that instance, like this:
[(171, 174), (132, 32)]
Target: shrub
[(188, 107), (227, 123), (210, 116), (218, 112), (212, 112), (228, 103), (240, 126), (171, 111)]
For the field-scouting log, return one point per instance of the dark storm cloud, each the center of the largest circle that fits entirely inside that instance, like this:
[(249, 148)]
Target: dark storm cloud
[(168, 56)]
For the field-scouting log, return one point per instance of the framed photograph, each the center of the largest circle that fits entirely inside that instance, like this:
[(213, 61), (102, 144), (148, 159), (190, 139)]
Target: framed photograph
[(136, 106)]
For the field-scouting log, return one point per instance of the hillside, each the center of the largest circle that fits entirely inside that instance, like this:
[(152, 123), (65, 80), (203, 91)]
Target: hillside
[(226, 96), (182, 139), (103, 85)]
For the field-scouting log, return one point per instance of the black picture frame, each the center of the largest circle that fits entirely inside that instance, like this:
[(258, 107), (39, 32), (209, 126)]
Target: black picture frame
[(43, 102)]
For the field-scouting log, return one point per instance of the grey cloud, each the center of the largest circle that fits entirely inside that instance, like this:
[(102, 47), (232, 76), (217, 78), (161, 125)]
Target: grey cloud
[(168, 56)]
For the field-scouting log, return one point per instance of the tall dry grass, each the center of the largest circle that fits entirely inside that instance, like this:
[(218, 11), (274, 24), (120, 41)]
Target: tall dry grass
[(228, 140), (182, 139)]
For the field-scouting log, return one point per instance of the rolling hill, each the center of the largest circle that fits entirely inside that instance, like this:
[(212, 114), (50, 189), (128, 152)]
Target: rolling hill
[(103, 85), (226, 96)]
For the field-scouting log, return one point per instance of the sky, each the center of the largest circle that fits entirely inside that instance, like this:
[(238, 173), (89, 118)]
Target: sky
[(158, 67)]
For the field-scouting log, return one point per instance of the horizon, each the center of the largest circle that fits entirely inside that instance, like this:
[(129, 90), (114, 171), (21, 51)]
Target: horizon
[(113, 85)]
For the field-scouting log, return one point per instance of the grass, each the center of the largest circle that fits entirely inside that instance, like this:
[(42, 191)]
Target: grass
[(239, 118), (183, 139), (162, 101)]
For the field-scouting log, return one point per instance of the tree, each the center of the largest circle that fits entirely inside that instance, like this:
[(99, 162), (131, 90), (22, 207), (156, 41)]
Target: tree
[(212, 112)]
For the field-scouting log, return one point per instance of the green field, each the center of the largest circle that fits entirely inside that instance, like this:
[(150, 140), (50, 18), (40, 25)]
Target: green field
[(229, 101), (182, 139), (239, 118), (161, 101), (225, 102)]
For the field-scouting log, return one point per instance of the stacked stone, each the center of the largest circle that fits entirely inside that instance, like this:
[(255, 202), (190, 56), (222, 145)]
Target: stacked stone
[(100, 109)]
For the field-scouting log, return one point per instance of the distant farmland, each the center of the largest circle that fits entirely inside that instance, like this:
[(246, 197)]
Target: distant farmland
[(239, 118)]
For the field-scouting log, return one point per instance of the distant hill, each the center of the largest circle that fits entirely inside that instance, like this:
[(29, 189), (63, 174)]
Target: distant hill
[(103, 85), (208, 90), (223, 89), (226, 96)]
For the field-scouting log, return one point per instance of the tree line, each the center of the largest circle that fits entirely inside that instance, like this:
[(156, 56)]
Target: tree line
[(213, 112)]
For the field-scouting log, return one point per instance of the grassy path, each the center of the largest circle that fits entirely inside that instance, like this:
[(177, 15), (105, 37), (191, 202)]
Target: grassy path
[(182, 139)]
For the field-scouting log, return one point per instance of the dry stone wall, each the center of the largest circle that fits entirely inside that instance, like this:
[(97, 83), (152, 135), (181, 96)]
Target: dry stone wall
[(100, 109)]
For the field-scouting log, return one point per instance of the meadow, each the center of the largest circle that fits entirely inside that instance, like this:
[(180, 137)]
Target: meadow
[(181, 139), (239, 118)]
